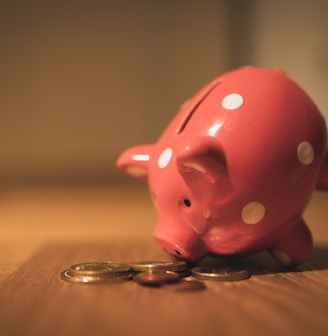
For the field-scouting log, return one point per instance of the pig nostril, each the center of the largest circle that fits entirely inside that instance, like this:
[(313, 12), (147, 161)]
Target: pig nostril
[(187, 202), (177, 252)]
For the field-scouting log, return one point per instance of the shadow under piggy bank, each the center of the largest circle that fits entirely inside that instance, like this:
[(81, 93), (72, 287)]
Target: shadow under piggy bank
[(263, 263)]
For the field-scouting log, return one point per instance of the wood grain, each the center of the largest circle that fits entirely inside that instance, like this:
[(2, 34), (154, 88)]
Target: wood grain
[(274, 301), (45, 230)]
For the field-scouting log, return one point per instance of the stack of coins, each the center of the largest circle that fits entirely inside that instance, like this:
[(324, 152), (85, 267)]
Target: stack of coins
[(156, 273), (92, 272), (172, 275)]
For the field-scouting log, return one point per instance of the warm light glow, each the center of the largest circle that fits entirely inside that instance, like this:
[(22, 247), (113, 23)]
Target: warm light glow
[(215, 128)]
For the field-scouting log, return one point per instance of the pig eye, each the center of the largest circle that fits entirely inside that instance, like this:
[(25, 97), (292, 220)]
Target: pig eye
[(187, 202)]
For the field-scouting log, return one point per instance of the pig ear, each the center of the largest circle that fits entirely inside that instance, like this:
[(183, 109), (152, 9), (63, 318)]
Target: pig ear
[(202, 161), (135, 160)]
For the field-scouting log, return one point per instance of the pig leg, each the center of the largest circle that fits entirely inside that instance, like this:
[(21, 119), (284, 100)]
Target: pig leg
[(294, 247)]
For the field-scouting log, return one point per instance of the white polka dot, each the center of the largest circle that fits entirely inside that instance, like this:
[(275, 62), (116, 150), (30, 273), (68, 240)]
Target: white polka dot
[(253, 212), (165, 158), (232, 101), (305, 153), (282, 257)]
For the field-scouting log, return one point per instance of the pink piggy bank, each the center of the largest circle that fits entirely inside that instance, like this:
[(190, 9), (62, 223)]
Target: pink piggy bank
[(234, 170)]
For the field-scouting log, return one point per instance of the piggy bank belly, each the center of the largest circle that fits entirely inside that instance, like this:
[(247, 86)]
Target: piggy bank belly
[(235, 169)]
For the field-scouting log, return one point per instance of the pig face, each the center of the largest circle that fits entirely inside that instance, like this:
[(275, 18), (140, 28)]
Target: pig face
[(235, 168)]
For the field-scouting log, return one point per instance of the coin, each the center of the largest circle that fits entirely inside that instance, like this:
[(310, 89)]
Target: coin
[(186, 285), (157, 266), (69, 276), (99, 268), (184, 273), (220, 273), (155, 278)]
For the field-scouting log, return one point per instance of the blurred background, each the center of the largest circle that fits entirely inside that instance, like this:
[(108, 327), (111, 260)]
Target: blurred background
[(82, 80)]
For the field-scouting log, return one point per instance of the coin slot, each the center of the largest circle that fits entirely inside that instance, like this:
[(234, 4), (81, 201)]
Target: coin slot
[(177, 252), (192, 111)]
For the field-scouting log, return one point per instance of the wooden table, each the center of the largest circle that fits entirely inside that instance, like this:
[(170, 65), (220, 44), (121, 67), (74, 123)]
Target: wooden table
[(46, 229)]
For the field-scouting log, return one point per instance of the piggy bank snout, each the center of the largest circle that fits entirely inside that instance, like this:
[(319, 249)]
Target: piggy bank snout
[(180, 244)]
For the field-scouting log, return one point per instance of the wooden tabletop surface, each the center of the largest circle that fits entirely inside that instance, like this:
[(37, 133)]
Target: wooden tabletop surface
[(44, 230)]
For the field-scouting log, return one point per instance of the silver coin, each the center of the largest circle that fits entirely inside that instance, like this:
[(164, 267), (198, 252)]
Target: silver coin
[(99, 268), (157, 266), (220, 273), (68, 276), (186, 285), (155, 278), (184, 273)]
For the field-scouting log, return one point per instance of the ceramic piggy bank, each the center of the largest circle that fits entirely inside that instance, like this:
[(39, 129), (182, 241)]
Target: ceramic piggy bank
[(234, 170)]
